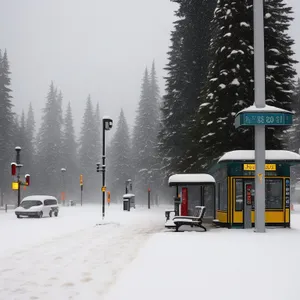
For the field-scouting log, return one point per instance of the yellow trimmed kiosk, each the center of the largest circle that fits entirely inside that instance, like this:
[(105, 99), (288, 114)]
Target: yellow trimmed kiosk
[(193, 191), (235, 190)]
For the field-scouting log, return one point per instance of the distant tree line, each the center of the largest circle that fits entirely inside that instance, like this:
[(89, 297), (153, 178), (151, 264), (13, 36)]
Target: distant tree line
[(51, 148)]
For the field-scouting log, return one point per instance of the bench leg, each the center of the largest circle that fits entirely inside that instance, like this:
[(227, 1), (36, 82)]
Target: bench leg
[(177, 227), (201, 226)]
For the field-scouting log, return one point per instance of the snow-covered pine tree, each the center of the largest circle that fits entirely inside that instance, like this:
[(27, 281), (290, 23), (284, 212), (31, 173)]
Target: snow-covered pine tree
[(230, 81), (120, 158), (144, 139), (30, 127), (30, 134), (293, 133), (187, 72), (157, 175), (69, 152), (6, 124), (49, 144), (230, 85), (88, 156), (280, 71)]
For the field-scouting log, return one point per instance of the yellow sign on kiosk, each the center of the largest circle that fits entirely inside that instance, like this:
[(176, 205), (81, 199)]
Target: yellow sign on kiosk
[(251, 167)]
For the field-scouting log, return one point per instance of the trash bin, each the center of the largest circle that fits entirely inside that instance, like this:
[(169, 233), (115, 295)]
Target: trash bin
[(128, 201), (126, 205)]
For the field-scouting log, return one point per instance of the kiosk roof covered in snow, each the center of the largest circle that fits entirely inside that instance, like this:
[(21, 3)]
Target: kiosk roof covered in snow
[(190, 179), (266, 108), (271, 155)]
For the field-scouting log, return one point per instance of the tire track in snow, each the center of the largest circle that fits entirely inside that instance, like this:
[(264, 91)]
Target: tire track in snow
[(80, 265)]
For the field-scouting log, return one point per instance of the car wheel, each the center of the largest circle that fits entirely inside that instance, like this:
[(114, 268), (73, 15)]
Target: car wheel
[(50, 214), (40, 214), (18, 216), (56, 213)]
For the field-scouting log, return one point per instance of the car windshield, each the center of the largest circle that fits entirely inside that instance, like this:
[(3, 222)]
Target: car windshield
[(30, 203)]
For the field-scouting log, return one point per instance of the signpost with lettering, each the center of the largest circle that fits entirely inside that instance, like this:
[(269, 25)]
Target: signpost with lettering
[(264, 118)]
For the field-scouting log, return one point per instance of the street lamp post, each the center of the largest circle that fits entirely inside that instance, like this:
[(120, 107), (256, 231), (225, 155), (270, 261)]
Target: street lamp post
[(107, 124), (63, 195)]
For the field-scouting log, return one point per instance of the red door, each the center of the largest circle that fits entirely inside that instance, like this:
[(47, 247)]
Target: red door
[(184, 202)]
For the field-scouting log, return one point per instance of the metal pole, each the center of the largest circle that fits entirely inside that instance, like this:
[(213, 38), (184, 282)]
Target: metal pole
[(148, 198), (176, 205), (2, 203), (260, 101), (126, 187), (81, 189), (18, 161), (64, 188), (103, 170)]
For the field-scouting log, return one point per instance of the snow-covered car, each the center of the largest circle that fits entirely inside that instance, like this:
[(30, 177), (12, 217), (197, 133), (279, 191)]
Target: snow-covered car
[(38, 206)]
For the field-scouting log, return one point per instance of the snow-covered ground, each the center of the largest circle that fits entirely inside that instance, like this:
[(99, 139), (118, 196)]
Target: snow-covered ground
[(70, 257), (131, 256), (218, 264)]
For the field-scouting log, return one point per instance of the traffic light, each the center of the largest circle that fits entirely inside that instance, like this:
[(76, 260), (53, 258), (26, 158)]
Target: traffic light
[(13, 169), (27, 179), (98, 167), (81, 179)]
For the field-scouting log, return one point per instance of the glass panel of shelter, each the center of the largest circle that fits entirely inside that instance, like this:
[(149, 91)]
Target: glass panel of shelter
[(274, 193), (201, 195)]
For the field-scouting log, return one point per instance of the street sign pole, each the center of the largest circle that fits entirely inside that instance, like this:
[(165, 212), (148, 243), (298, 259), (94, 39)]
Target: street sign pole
[(260, 102), (18, 161), (81, 187)]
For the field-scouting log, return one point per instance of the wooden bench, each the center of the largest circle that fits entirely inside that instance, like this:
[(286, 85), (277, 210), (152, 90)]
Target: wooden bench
[(192, 221)]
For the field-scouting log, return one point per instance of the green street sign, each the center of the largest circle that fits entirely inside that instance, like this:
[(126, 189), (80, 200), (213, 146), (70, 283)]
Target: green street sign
[(263, 118)]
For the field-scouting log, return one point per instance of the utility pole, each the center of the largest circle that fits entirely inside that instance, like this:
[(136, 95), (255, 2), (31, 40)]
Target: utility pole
[(260, 102), (16, 172), (63, 193), (19, 166), (81, 187)]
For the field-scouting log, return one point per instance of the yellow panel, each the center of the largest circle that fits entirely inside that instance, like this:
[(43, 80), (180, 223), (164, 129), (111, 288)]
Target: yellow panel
[(274, 217), (229, 198), (287, 215), (238, 217), (222, 217)]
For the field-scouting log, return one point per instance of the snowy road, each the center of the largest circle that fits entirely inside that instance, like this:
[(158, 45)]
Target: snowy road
[(69, 257)]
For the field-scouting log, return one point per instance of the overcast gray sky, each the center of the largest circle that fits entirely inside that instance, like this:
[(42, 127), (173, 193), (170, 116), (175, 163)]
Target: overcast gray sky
[(97, 47)]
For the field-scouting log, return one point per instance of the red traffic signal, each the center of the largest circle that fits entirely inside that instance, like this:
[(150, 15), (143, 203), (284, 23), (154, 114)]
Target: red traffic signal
[(13, 169), (27, 179)]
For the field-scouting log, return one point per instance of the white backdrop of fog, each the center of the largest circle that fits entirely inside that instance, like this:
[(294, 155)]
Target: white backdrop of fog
[(97, 47)]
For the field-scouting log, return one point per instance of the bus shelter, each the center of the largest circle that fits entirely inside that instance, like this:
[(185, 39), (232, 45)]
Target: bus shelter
[(193, 190), (235, 187)]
